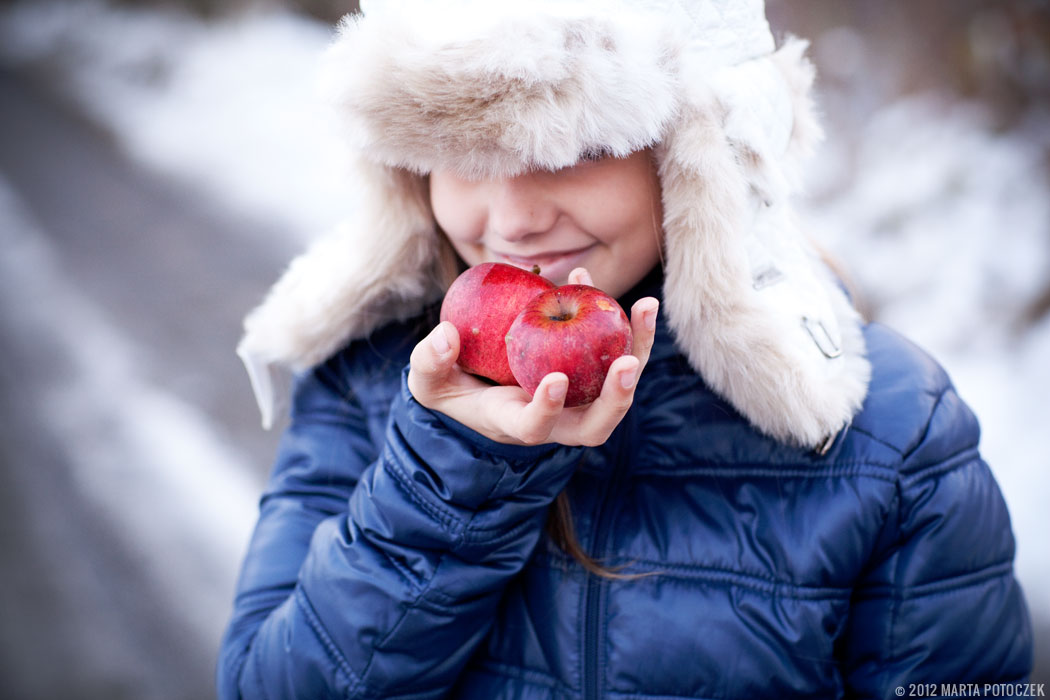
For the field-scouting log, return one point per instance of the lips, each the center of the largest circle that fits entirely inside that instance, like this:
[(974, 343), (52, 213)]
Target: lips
[(554, 265)]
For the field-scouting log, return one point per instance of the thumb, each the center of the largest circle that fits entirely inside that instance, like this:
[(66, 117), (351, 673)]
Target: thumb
[(432, 361)]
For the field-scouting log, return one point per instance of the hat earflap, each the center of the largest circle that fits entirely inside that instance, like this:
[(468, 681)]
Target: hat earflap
[(752, 306), (386, 262)]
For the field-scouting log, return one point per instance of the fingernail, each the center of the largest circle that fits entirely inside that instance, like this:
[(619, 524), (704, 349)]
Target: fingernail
[(580, 275), (439, 341), (627, 378), (557, 390), (650, 318)]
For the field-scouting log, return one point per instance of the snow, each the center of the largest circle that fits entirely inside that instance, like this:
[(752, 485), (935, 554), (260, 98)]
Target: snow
[(231, 106), (967, 209), (169, 482), (943, 223)]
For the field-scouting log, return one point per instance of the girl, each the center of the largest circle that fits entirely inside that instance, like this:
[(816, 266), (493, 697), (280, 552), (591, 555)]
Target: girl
[(786, 502)]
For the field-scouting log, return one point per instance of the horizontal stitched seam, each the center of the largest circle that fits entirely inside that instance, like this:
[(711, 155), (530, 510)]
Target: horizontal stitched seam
[(476, 534), (966, 455), (884, 472), (947, 585), (759, 583)]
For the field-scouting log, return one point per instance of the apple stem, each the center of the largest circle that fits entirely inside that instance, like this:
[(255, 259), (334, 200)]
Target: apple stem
[(535, 269), (567, 308)]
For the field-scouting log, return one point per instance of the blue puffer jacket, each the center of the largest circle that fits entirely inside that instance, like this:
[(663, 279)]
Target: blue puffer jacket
[(399, 554)]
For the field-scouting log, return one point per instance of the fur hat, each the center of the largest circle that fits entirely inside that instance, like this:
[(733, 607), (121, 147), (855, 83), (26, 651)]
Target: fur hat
[(491, 89)]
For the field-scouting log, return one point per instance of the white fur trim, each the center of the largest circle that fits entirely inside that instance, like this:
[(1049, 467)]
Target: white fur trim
[(496, 92), (386, 263), (752, 307), (718, 32)]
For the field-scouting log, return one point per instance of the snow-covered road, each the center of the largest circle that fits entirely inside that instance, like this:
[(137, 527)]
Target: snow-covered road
[(132, 454)]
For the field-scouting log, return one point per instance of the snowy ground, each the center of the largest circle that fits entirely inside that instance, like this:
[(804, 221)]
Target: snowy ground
[(944, 225), (169, 485)]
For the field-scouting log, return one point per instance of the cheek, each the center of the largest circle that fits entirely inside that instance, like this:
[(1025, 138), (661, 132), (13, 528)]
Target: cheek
[(629, 219), (628, 208), (456, 210), (632, 222)]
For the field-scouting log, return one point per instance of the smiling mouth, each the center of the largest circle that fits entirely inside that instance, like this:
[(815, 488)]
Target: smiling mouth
[(542, 259)]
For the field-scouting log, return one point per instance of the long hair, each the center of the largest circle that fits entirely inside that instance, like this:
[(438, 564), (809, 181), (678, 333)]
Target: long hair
[(560, 530)]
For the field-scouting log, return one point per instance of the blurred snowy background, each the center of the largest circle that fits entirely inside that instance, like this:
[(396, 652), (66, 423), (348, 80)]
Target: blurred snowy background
[(160, 162)]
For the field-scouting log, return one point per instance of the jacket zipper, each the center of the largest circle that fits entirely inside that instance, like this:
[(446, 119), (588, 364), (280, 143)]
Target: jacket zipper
[(591, 641), (595, 584)]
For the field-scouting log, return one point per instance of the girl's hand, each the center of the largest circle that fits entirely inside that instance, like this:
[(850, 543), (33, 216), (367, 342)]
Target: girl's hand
[(507, 413)]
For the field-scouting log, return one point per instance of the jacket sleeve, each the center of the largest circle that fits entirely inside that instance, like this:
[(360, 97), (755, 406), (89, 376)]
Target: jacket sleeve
[(940, 604), (381, 586)]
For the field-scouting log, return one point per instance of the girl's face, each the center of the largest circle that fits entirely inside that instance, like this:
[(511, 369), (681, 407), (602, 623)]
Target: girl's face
[(601, 214)]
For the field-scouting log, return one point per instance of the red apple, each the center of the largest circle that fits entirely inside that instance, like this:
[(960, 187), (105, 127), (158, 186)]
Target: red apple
[(482, 303), (575, 329)]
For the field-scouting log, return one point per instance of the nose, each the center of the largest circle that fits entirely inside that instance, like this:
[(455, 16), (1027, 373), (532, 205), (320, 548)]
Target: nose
[(520, 207)]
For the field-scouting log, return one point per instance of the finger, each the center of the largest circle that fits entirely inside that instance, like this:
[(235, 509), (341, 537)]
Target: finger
[(618, 388), (536, 421), (432, 362), (579, 275), (643, 327), (597, 421)]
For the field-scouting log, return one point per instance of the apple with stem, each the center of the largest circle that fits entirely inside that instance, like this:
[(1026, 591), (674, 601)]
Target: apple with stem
[(482, 303), (575, 329)]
